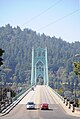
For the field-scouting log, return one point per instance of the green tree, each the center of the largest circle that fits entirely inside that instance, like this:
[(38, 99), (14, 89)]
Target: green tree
[(18, 46), (77, 68)]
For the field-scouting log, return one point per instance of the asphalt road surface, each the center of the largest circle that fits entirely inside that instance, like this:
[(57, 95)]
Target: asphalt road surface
[(39, 95)]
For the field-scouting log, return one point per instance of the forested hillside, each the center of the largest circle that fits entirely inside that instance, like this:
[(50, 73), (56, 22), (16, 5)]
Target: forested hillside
[(18, 45)]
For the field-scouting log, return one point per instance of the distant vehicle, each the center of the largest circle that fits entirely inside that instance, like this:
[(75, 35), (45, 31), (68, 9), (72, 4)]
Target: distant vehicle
[(30, 105), (33, 88), (44, 106)]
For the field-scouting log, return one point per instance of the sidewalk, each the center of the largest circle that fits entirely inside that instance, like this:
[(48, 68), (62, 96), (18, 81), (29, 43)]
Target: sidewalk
[(63, 105)]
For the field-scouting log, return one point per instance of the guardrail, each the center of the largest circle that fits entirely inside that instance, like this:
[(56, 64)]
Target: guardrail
[(71, 105)]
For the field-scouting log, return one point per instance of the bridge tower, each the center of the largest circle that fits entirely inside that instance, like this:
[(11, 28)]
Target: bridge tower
[(39, 73)]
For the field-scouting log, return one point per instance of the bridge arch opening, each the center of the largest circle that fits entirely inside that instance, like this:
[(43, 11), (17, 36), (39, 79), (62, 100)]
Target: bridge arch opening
[(40, 80)]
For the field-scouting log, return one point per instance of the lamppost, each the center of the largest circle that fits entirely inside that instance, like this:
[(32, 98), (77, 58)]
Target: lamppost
[(75, 92), (77, 55)]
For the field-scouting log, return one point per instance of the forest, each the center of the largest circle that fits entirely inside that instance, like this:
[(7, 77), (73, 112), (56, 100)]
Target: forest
[(18, 44)]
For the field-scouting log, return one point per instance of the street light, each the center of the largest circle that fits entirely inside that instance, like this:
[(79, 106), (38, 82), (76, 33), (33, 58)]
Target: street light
[(77, 55), (75, 91)]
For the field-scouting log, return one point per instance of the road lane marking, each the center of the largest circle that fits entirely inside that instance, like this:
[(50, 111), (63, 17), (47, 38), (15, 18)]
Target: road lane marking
[(39, 117)]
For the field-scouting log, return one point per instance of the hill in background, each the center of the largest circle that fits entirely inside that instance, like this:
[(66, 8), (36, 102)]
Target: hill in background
[(18, 45)]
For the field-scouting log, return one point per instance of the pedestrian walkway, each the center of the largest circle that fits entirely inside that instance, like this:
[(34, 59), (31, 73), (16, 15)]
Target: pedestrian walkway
[(63, 105)]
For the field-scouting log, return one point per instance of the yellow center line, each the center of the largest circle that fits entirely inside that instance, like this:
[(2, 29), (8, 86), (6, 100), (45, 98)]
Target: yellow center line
[(38, 104)]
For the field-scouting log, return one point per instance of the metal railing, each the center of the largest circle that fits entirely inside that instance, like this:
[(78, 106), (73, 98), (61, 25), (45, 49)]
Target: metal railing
[(4, 104)]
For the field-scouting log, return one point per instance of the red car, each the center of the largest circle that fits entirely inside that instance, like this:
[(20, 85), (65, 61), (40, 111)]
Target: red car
[(44, 106)]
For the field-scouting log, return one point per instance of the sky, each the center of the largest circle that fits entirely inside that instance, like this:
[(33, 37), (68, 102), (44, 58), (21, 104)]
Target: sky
[(59, 18)]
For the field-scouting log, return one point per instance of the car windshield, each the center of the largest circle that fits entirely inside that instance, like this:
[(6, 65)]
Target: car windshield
[(30, 103), (44, 104)]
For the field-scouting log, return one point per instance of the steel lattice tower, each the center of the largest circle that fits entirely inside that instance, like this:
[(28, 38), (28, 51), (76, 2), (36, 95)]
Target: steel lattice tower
[(39, 66)]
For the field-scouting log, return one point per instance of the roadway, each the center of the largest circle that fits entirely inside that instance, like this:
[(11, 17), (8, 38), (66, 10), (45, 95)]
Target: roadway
[(39, 95)]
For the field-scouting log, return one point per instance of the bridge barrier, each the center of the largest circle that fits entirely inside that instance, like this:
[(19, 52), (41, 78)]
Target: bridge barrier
[(18, 95), (14, 102)]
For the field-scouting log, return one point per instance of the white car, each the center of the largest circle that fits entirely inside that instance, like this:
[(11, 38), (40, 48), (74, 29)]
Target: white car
[(30, 105)]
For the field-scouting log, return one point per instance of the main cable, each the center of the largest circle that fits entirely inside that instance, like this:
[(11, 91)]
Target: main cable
[(59, 19), (35, 17)]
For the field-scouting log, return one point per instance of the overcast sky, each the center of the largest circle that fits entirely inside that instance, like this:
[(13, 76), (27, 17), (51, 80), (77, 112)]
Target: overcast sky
[(59, 18)]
